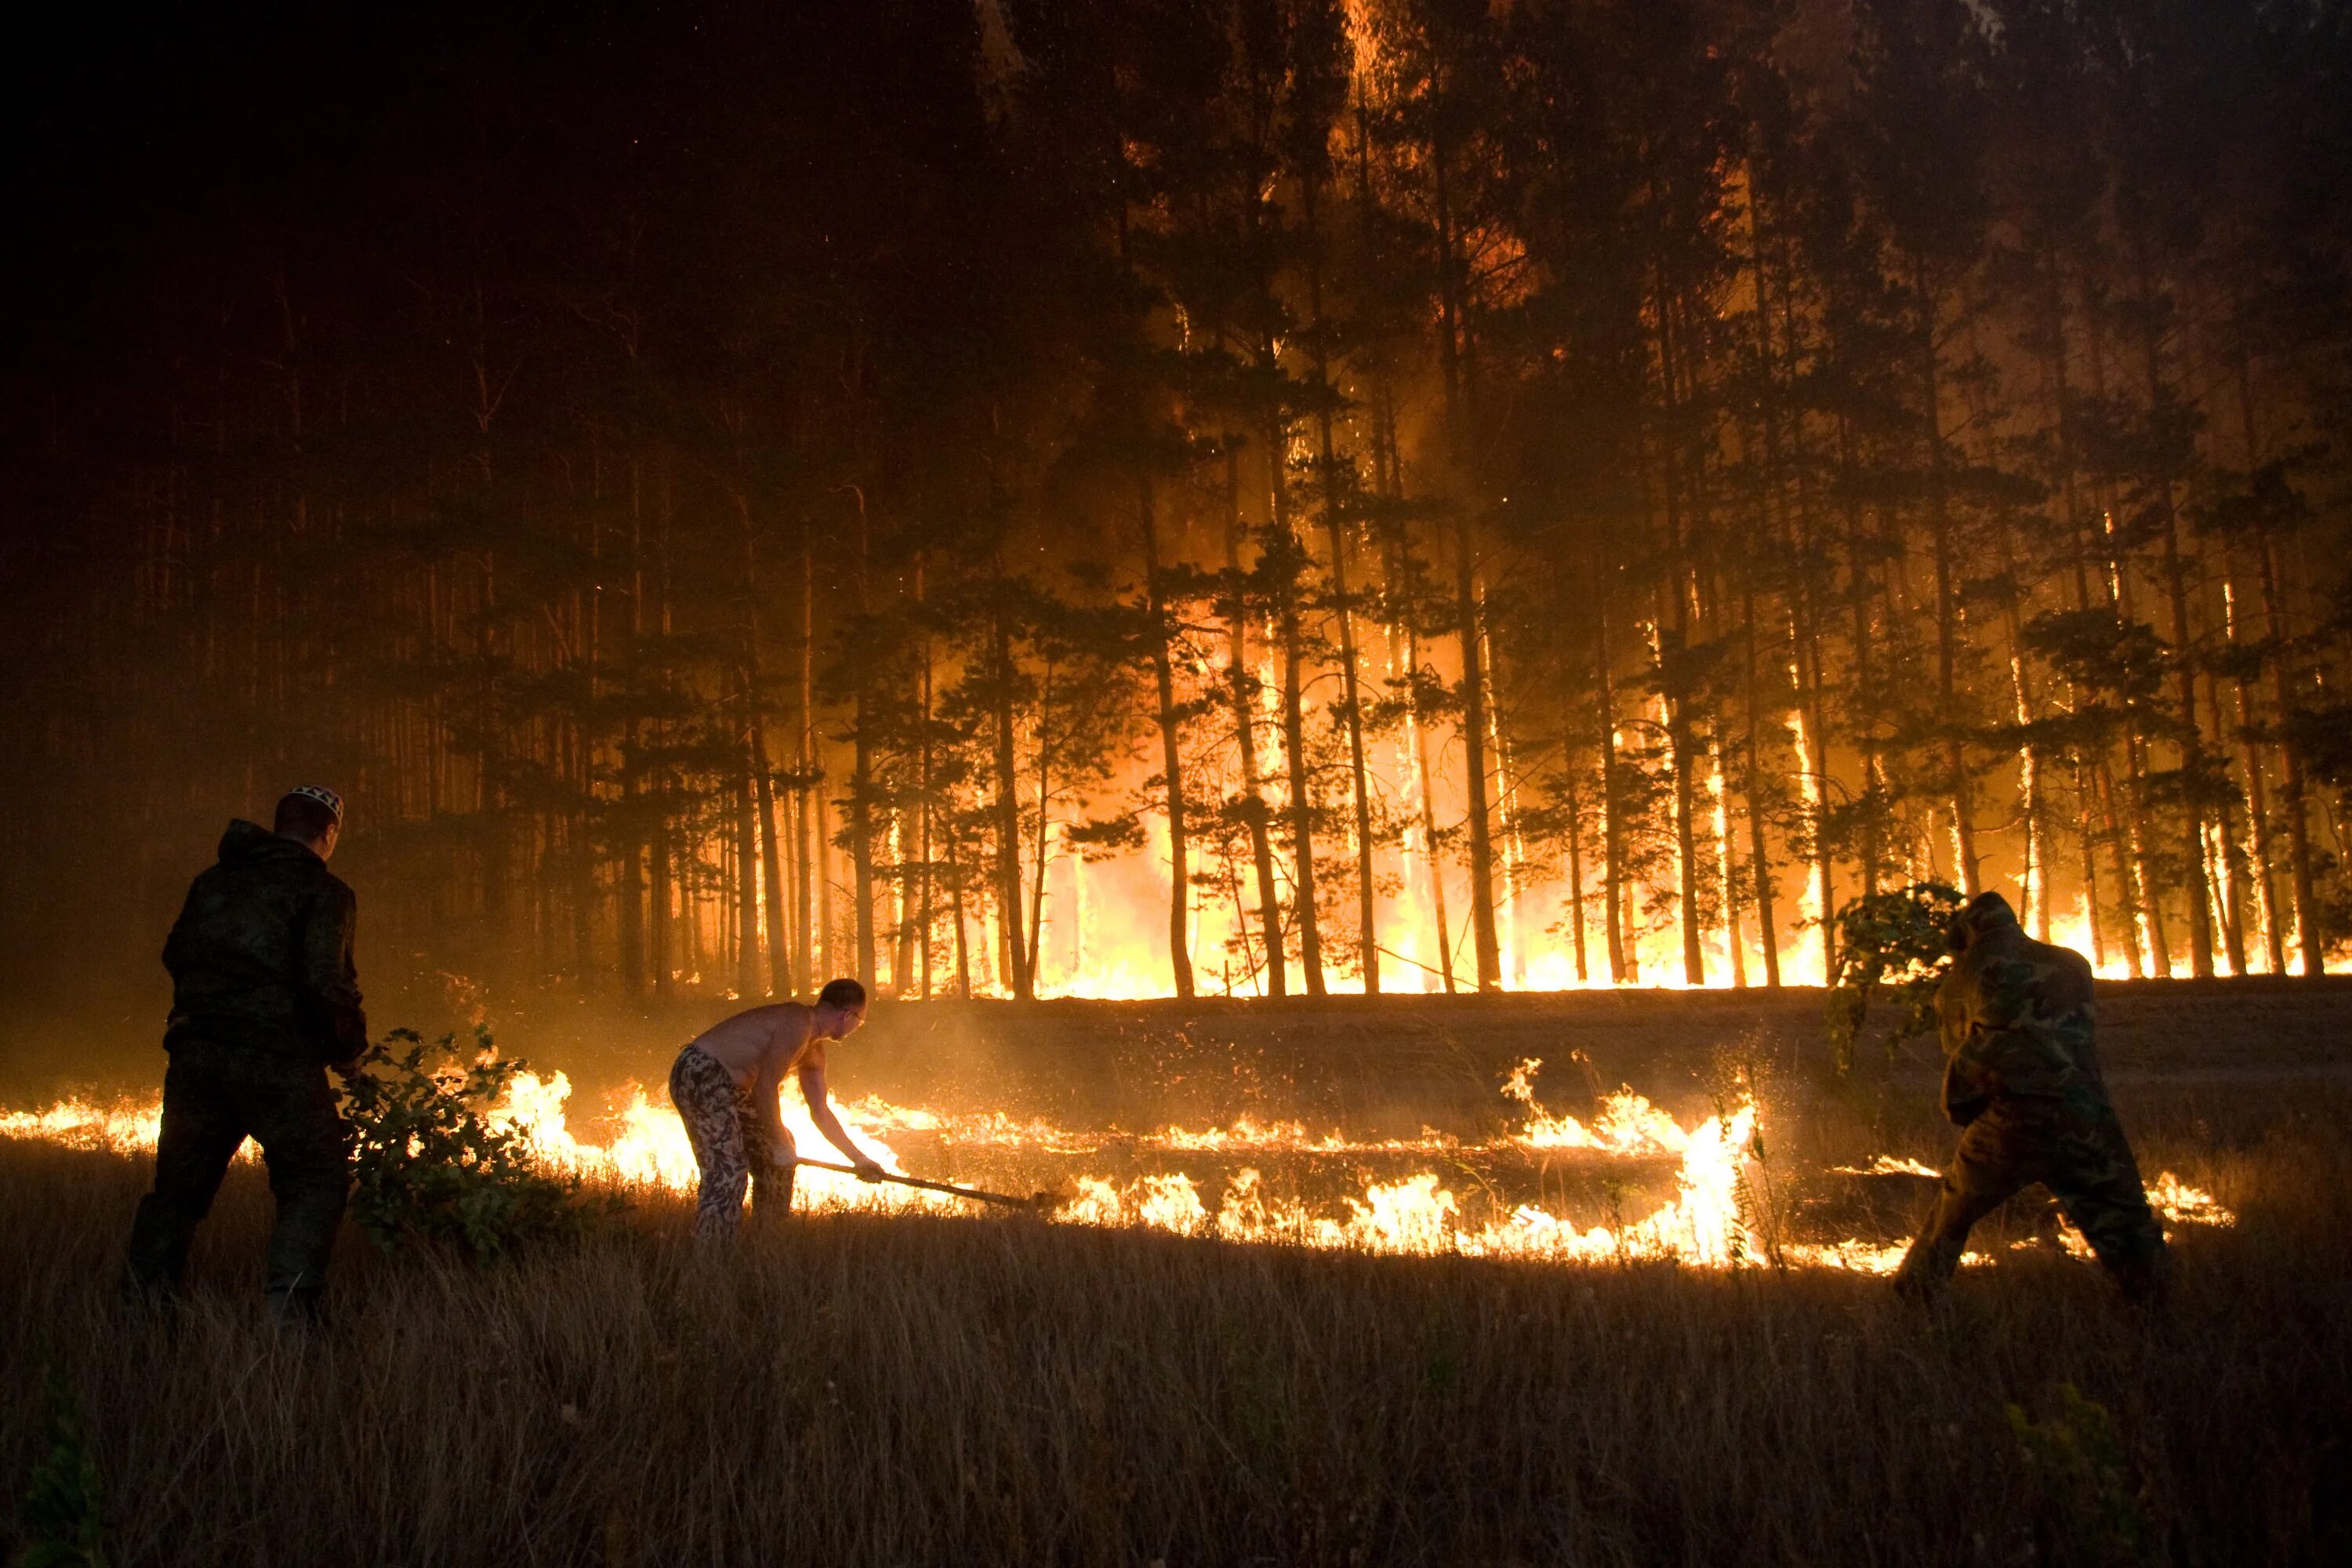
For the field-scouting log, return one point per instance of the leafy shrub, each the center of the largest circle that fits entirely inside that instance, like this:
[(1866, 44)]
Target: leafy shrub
[(2092, 1508), (1893, 940), (64, 1514), (432, 1168)]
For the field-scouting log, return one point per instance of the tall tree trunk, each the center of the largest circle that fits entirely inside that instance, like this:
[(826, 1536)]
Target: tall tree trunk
[(1335, 535), (1673, 617), (1294, 745), (2184, 671), (658, 942), (2228, 897), (1947, 605), (1008, 819), (2291, 803), (1624, 957), (746, 863), (1865, 726), (1239, 686), (955, 897), (1475, 763), (776, 979), (1041, 854), (2028, 785), (2121, 851), (1451, 328), (923, 778), (809, 790), (630, 887), (659, 939), (2142, 889), (2146, 887), (772, 864), (861, 784), (2261, 859), (1751, 787), (2258, 822), (1172, 751), (1573, 798)]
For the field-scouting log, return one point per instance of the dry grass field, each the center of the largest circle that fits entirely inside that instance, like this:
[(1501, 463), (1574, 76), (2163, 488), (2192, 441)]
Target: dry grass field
[(858, 1389)]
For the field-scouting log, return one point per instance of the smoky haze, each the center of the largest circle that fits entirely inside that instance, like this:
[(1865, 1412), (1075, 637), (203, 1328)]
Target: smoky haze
[(1052, 498)]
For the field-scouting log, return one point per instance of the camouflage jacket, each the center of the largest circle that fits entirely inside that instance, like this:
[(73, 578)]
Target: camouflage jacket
[(2015, 1017), (262, 954)]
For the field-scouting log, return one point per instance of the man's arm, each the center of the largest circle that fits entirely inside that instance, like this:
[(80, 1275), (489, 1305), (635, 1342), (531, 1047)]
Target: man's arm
[(820, 1106), (767, 1093), (1965, 1095), (330, 978)]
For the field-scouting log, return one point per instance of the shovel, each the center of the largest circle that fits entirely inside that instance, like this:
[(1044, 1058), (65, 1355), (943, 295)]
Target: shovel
[(1043, 1202)]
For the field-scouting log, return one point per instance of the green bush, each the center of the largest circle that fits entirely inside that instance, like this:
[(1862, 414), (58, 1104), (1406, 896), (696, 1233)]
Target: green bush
[(431, 1169), (2092, 1508), (64, 1512), (1893, 942)]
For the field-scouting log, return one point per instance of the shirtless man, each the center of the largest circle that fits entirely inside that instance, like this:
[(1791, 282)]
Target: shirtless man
[(726, 1084)]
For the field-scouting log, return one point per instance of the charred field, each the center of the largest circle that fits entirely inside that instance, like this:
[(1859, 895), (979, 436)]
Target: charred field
[(896, 1387)]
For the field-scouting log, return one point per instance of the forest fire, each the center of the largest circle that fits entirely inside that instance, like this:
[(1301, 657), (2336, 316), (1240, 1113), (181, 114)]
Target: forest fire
[(1719, 1213)]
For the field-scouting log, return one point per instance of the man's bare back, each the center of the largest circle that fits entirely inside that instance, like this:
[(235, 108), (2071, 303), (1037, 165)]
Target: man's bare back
[(760, 1047), (764, 1044)]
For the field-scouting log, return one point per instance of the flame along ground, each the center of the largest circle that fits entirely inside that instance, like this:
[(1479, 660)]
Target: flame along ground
[(1711, 1221)]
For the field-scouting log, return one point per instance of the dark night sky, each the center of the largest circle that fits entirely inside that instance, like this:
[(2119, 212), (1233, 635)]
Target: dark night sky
[(132, 130)]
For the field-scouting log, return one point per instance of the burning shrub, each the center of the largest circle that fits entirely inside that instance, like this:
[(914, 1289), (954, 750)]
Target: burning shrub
[(1895, 941), (433, 1167)]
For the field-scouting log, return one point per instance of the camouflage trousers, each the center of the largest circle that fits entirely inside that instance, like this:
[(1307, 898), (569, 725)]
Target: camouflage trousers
[(2085, 1163), (215, 1096), (731, 1148)]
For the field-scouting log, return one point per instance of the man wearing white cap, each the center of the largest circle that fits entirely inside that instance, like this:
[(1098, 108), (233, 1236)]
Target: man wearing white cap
[(265, 999)]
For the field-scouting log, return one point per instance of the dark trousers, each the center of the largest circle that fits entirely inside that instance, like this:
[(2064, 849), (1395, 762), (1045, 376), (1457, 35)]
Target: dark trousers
[(2085, 1162), (214, 1097)]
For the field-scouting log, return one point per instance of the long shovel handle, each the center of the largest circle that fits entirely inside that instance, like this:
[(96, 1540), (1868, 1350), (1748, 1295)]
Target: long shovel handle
[(985, 1197)]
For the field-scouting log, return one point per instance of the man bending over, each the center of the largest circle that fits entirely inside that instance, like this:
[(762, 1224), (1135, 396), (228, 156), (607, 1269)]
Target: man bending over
[(726, 1085)]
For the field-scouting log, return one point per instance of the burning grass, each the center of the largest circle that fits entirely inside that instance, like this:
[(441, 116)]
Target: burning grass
[(866, 1388), (1702, 1194)]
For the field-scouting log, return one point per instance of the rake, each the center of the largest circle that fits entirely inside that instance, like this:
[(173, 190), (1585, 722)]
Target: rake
[(1042, 1203)]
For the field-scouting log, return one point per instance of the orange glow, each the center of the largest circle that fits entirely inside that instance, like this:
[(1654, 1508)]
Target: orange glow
[(1707, 1222)]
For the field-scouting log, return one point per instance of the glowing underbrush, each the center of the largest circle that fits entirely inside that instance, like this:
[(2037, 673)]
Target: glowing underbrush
[(1717, 1217)]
